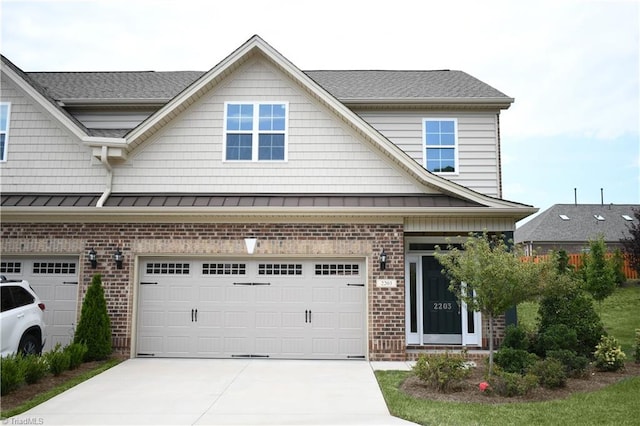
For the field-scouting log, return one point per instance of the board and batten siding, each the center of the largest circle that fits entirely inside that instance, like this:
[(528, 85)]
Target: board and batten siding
[(478, 167), (43, 156), (324, 154), (461, 225)]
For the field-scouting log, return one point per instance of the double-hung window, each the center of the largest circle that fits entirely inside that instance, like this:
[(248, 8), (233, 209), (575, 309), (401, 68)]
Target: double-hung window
[(440, 137), (256, 131), (5, 110)]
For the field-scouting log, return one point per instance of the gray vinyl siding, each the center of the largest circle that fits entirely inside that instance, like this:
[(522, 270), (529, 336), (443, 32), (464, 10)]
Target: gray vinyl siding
[(42, 156), (324, 154), (477, 143)]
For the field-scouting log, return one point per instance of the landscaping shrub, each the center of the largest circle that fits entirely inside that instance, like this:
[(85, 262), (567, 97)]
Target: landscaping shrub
[(94, 327), (550, 372), (617, 264), (12, 372), (443, 372), (512, 384), (557, 337), (636, 353), (574, 365), (516, 337), (76, 353), (514, 360), (58, 360), (600, 278), (565, 303), (609, 355), (35, 368)]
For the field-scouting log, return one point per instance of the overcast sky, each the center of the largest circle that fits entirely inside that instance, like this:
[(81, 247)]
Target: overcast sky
[(572, 66)]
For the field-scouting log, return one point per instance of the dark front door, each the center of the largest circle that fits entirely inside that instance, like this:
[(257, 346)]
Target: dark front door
[(441, 320)]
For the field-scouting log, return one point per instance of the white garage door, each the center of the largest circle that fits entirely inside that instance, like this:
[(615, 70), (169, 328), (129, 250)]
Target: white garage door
[(55, 281), (300, 309)]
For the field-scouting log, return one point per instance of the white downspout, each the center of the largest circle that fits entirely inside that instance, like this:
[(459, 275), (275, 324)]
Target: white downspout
[(105, 161)]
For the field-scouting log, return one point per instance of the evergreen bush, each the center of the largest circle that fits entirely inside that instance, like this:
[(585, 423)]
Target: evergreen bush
[(557, 337), (636, 353), (609, 355), (442, 372), (94, 327), (58, 360), (516, 337), (35, 368), (11, 372), (566, 303), (76, 353), (512, 384), (514, 360), (574, 365), (550, 372)]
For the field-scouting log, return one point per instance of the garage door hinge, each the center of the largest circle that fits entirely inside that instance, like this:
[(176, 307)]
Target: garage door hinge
[(355, 357), (148, 283), (249, 356), (355, 285), (251, 283)]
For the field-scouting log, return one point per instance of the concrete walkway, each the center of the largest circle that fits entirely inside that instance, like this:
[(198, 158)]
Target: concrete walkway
[(223, 392)]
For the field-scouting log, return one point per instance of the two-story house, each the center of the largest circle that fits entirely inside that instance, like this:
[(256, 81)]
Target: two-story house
[(254, 209)]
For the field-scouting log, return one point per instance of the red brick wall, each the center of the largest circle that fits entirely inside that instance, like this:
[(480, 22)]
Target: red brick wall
[(385, 305)]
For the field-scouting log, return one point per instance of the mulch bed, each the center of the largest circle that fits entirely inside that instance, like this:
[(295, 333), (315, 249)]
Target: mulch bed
[(470, 392)]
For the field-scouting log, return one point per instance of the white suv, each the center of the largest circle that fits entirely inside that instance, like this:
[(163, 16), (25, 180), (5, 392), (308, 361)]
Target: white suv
[(21, 318)]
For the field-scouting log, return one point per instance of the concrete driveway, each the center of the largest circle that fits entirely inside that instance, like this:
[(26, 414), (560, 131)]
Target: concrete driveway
[(227, 392)]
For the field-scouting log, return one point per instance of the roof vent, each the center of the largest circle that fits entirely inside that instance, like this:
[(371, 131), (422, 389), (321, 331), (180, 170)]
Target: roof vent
[(598, 217), (627, 217), (564, 217)]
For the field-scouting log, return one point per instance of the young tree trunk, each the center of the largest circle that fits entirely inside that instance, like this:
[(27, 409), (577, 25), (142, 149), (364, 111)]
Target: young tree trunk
[(490, 345)]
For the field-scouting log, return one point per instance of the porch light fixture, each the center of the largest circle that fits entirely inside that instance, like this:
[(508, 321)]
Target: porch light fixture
[(117, 256), (383, 260), (93, 258)]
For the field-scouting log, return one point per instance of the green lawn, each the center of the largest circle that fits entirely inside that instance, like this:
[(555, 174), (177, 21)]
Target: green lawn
[(619, 312), (614, 405)]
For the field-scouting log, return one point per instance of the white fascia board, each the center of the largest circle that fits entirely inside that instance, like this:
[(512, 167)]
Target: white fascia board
[(501, 103)]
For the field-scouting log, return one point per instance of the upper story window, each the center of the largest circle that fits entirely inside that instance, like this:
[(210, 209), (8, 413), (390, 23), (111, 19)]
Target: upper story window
[(441, 144), (255, 131), (4, 129)]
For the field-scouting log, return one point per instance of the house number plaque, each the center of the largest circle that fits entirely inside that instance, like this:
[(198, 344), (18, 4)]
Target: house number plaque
[(387, 283)]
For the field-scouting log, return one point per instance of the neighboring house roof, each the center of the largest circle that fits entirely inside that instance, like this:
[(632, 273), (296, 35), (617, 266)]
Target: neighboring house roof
[(579, 223), (347, 86)]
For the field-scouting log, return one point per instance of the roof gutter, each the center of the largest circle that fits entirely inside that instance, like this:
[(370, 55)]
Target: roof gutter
[(104, 159)]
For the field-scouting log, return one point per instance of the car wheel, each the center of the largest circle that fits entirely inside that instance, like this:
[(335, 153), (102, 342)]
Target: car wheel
[(29, 345)]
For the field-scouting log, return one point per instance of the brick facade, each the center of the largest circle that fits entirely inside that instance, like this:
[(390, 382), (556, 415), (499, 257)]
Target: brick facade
[(385, 310)]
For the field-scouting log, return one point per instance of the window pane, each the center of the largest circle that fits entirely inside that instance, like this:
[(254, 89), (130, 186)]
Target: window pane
[(238, 147), (446, 127), (272, 117), (239, 117), (2, 136), (433, 126), (447, 139), (4, 117), (447, 154), (433, 139), (271, 147)]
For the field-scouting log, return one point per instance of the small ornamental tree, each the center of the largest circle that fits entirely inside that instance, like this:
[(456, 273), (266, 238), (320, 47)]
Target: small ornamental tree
[(490, 277), (600, 280), (94, 327), (631, 244)]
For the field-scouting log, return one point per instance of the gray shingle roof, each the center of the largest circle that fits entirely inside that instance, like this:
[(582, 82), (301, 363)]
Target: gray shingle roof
[(403, 84), (344, 85), (548, 226)]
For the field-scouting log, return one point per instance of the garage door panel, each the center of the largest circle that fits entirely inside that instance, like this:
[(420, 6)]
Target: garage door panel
[(55, 281), (263, 308)]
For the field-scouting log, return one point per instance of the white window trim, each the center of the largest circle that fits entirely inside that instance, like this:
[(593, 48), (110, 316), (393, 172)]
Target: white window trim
[(256, 131), (6, 132), (455, 144)]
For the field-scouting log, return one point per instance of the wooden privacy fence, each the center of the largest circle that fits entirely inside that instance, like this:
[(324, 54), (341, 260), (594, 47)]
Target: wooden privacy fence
[(575, 259)]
